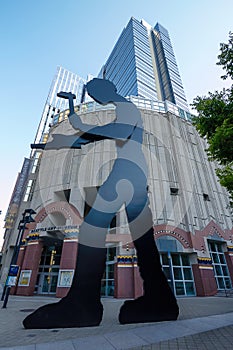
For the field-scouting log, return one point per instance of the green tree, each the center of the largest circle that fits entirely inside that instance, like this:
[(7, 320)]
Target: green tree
[(214, 120)]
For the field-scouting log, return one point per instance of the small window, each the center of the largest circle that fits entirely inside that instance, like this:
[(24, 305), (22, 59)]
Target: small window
[(174, 191), (206, 197)]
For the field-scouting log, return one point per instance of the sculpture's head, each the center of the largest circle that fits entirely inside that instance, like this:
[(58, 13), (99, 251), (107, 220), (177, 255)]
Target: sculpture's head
[(101, 90)]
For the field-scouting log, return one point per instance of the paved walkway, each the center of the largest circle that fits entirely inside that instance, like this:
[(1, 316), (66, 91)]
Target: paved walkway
[(204, 323)]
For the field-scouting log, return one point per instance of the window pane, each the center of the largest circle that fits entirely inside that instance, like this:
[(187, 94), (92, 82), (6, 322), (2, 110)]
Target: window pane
[(55, 269), (166, 271), (215, 258), (103, 287), (228, 283), (171, 285), (185, 260), (212, 247), (219, 247), (110, 289), (175, 259), (218, 270), (111, 252), (187, 274), (222, 259), (221, 283), (179, 288), (57, 259), (189, 288), (53, 285), (165, 259), (224, 270), (177, 273), (110, 271)]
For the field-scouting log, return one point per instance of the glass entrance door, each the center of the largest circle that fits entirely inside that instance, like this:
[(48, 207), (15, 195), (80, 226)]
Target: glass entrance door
[(177, 269), (48, 283), (48, 270), (107, 283), (221, 272)]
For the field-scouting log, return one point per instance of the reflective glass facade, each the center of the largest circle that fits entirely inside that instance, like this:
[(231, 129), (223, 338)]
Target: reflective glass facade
[(129, 66), (142, 63), (63, 81), (170, 83)]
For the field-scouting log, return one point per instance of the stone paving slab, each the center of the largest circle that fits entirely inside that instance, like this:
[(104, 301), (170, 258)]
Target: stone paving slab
[(125, 339), (163, 334), (196, 315), (216, 339)]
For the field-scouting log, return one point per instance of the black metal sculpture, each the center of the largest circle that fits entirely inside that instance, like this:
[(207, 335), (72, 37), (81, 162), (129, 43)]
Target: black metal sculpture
[(126, 184)]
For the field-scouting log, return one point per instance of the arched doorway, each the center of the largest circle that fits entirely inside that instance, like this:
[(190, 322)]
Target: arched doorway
[(176, 265), (54, 222)]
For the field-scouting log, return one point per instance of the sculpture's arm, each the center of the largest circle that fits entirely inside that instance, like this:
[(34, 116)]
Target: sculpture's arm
[(114, 130), (61, 141)]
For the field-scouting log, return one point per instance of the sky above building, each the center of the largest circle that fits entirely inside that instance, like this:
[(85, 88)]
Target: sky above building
[(37, 36)]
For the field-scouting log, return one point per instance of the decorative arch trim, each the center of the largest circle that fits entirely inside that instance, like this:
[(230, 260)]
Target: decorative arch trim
[(66, 209), (182, 236), (211, 230)]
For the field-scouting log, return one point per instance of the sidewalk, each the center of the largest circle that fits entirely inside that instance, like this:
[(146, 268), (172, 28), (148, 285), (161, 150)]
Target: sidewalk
[(204, 323)]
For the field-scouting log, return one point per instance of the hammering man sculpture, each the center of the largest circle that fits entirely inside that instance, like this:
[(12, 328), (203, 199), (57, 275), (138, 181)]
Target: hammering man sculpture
[(126, 184)]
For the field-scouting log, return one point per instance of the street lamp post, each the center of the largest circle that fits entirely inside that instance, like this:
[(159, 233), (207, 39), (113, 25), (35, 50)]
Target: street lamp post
[(27, 218)]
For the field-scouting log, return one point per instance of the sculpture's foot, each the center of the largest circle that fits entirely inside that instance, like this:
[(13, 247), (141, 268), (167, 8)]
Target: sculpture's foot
[(144, 309), (65, 314)]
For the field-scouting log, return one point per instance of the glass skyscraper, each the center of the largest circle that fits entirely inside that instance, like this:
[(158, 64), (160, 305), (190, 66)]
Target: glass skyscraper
[(63, 81), (142, 63)]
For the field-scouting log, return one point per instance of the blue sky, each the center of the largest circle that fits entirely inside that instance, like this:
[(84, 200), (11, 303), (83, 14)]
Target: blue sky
[(37, 36)]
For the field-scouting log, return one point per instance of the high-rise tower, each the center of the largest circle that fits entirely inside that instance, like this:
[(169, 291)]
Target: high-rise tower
[(142, 63), (63, 81)]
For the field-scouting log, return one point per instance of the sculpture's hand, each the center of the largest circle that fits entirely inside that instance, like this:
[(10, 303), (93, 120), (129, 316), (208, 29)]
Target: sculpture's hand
[(77, 123), (60, 141)]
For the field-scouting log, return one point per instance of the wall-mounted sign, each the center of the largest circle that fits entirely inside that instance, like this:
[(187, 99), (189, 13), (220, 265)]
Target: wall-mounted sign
[(14, 269), (24, 278), (65, 278), (54, 228), (11, 280)]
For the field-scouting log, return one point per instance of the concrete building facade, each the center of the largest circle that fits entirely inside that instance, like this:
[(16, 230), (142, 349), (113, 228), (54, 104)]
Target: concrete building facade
[(192, 222)]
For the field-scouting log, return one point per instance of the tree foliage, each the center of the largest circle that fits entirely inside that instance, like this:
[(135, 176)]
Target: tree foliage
[(226, 57), (215, 119)]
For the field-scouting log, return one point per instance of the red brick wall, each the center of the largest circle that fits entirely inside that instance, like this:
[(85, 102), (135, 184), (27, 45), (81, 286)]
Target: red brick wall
[(124, 286), (31, 262), (68, 262), (138, 283), (204, 280)]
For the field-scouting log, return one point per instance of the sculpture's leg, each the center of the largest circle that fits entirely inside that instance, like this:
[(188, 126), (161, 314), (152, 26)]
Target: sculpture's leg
[(158, 302), (81, 307)]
